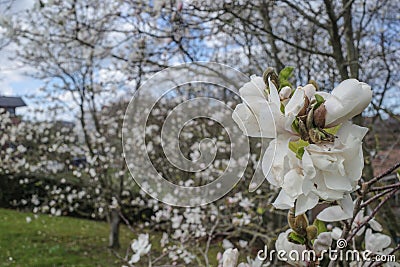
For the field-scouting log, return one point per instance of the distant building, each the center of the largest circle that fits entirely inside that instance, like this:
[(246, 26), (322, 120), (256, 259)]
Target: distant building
[(10, 103)]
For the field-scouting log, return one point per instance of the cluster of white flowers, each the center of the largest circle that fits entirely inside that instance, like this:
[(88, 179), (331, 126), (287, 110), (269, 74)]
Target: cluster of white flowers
[(316, 152), (375, 242), (140, 247)]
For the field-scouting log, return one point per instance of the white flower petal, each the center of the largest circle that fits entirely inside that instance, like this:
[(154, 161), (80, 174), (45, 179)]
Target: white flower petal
[(274, 96), (336, 182), (348, 132), (274, 159), (356, 94), (256, 121), (255, 88), (283, 201), (230, 258), (347, 204), (375, 225), (323, 242), (296, 103), (376, 242), (354, 97), (283, 244), (334, 111), (310, 91), (308, 165), (333, 214), (307, 186), (292, 183), (135, 258), (305, 203), (336, 233)]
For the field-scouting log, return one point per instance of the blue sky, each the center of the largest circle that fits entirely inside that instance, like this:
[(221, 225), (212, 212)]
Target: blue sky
[(13, 79)]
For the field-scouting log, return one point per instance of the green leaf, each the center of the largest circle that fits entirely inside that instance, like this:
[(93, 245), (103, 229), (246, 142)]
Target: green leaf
[(333, 130), (284, 76), (295, 125), (284, 83), (300, 152), (320, 100), (297, 239), (298, 147), (286, 73), (282, 108), (320, 226)]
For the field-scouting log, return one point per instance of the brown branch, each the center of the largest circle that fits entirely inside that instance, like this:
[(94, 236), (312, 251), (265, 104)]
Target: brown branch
[(126, 221), (372, 214), (369, 201), (379, 177), (391, 186), (292, 44)]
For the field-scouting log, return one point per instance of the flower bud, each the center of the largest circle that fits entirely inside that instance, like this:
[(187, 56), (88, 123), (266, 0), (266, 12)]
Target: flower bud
[(319, 116), (291, 218), (303, 130), (285, 93), (310, 119), (312, 232), (303, 111), (270, 73), (314, 83), (310, 90), (300, 224)]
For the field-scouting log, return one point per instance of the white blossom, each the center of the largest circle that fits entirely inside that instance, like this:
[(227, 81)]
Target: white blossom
[(347, 100), (283, 244), (230, 257), (323, 242), (140, 247)]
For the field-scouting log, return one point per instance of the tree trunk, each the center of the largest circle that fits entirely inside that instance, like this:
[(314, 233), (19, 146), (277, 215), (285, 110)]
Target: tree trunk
[(335, 39), (271, 40), (114, 229)]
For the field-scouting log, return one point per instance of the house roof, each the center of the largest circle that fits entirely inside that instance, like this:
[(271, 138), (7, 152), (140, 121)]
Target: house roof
[(11, 102)]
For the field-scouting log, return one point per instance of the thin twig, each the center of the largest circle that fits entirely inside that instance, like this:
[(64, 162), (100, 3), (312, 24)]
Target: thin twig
[(389, 171), (391, 186), (372, 199), (372, 214), (126, 221)]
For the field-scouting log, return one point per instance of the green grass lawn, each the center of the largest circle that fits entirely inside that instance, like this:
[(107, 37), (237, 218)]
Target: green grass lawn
[(55, 241), (64, 241)]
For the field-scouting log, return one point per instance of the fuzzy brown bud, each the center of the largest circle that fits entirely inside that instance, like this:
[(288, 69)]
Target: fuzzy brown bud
[(303, 111), (312, 232), (303, 130), (319, 116), (270, 73), (300, 225), (291, 218), (313, 82)]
